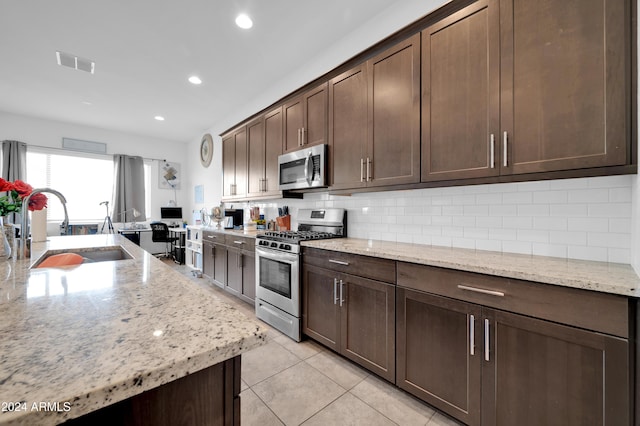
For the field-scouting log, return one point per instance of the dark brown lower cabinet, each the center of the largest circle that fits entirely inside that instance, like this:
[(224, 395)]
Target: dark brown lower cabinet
[(214, 263), (241, 275), (351, 315), (491, 367)]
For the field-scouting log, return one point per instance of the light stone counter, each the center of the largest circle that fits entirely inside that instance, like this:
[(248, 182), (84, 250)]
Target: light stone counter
[(84, 337), (604, 277)]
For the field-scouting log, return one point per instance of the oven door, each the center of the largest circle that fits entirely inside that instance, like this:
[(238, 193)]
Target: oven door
[(278, 279)]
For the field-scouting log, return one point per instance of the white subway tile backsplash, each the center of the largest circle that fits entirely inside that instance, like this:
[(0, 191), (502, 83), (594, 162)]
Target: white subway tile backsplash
[(550, 197), (588, 218), (594, 224), (517, 198)]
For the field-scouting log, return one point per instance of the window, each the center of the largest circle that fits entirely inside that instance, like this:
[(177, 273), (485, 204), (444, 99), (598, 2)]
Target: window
[(85, 180)]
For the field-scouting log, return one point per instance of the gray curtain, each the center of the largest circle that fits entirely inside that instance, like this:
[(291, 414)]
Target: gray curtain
[(14, 165), (128, 190)]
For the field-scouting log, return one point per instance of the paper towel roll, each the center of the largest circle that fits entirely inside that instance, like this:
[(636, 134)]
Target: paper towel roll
[(39, 225)]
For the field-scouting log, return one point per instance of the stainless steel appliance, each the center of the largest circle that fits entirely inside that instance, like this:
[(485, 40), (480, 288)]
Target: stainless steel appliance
[(305, 168), (278, 266)]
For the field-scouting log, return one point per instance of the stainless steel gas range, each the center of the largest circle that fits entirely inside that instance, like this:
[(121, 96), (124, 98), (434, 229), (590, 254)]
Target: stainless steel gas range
[(278, 266)]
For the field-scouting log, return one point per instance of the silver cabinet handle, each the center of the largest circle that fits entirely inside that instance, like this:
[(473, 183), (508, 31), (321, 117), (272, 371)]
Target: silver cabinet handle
[(492, 148), (335, 291), (504, 142), (472, 337), (368, 169), (302, 132), (362, 170), (341, 298), (481, 290), (299, 138), (238, 242), (486, 340), (339, 262)]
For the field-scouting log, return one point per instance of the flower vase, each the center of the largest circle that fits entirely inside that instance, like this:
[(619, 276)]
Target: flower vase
[(7, 235)]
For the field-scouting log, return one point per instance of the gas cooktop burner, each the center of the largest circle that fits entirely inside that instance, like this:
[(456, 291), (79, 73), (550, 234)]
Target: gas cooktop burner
[(298, 235)]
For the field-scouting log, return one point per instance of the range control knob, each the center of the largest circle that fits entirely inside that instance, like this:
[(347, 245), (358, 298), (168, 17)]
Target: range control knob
[(274, 245)]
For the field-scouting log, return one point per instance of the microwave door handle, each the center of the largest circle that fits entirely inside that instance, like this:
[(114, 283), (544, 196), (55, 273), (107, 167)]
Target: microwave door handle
[(307, 162)]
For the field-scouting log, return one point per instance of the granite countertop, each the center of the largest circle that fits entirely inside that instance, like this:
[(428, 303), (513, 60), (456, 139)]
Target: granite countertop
[(239, 232), (613, 278), (98, 333)]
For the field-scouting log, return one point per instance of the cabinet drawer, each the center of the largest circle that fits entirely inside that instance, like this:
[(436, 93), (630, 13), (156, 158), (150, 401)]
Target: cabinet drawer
[(240, 242), (213, 237), (363, 266), (591, 310)]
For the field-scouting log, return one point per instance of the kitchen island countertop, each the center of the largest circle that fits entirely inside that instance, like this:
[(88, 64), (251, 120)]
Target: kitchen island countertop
[(613, 278), (80, 338)]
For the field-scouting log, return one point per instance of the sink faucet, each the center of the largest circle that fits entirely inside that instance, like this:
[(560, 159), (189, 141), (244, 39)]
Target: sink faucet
[(24, 243)]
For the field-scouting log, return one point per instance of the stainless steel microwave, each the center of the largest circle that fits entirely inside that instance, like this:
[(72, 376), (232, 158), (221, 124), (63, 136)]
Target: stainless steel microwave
[(305, 168)]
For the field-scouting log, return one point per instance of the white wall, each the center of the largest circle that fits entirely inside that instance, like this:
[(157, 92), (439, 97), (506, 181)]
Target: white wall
[(49, 133)]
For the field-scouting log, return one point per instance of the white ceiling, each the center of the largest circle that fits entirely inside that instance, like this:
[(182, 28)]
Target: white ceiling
[(146, 49)]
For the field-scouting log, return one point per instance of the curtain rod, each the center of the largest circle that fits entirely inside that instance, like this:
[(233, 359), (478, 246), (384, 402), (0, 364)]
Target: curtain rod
[(93, 153)]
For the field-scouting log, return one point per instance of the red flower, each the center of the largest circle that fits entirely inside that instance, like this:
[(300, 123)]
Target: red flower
[(38, 202), (22, 188), (6, 186)]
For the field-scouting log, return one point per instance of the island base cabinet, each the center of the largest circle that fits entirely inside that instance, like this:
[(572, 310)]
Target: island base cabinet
[(491, 367), (210, 397)]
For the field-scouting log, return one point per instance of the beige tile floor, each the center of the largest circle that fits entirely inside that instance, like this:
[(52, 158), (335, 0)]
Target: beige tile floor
[(289, 383)]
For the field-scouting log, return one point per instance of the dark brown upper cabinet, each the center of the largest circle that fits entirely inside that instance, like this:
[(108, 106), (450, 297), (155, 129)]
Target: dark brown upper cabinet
[(234, 164), (305, 119), (537, 87), (460, 103), (374, 120), (564, 84), (264, 146)]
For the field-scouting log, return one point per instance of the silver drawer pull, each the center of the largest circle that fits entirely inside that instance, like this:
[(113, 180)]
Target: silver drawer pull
[(481, 290), (472, 337), (339, 262), (487, 357), (335, 291), (238, 242)]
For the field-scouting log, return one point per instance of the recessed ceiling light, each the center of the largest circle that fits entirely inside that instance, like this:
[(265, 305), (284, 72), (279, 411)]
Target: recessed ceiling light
[(87, 103), (159, 118), (243, 21), (194, 79)]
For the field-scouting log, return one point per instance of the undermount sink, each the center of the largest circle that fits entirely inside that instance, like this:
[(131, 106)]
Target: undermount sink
[(89, 255)]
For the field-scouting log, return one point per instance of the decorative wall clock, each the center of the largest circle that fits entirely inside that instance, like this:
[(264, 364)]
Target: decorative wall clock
[(206, 150)]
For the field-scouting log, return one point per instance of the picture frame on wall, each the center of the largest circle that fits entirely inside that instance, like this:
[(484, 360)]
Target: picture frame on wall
[(169, 175)]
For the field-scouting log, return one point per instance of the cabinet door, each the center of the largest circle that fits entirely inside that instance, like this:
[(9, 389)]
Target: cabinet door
[(544, 373), (320, 309), (460, 102), (348, 128), (293, 123), (234, 271), (273, 148), (564, 71), (439, 352), (367, 318), (241, 162), (207, 259), (256, 157), (315, 116), (219, 265), (228, 165), (249, 276), (394, 109)]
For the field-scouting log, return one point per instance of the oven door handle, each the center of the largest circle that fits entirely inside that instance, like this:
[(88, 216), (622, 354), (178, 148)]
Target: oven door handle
[(277, 255)]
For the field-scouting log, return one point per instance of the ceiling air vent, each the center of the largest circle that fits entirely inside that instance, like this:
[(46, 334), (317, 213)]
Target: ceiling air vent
[(75, 62)]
